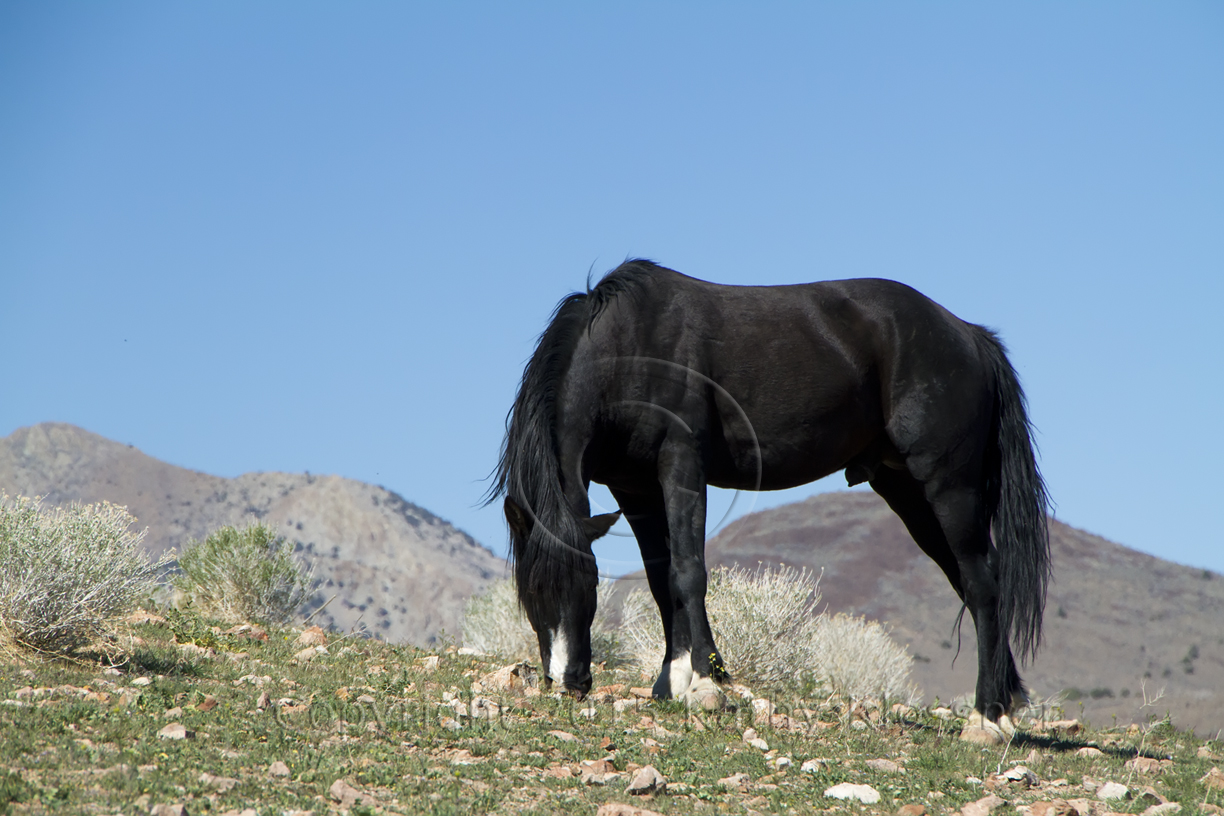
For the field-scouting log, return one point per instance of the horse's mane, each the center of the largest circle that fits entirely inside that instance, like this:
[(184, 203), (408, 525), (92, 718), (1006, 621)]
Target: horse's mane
[(528, 469)]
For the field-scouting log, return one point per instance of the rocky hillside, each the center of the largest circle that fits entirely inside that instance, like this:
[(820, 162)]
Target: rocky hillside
[(1117, 620), (394, 568)]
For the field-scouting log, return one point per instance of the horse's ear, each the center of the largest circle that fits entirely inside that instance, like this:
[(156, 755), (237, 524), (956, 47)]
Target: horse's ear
[(516, 517), (597, 526)]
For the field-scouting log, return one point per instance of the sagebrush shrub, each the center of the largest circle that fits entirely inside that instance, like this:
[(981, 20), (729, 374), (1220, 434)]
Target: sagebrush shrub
[(494, 624), (67, 573), (241, 575), (771, 636)]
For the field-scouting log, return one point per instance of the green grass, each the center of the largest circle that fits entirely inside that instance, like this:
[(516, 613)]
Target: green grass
[(102, 753)]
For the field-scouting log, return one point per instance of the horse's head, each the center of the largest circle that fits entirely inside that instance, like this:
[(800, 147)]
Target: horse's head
[(557, 580)]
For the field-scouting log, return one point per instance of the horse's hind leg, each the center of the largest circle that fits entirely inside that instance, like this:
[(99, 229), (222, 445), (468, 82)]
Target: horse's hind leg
[(647, 515), (948, 524)]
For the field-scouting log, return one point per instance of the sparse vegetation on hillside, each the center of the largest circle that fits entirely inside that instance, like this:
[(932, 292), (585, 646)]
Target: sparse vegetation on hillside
[(67, 574), (247, 574), (771, 636), (283, 723)]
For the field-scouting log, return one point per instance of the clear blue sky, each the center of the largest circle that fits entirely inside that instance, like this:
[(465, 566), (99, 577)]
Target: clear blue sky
[(307, 236)]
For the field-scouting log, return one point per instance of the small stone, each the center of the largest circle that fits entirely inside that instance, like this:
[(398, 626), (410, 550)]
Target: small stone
[(646, 780), (618, 809), (942, 712), (1204, 752), (564, 736), (429, 664), (1090, 751), (759, 744), (176, 731), (142, 681), (168, 810), (1113, 790), (739, 780), (278, 768), (347, 795), (511, 678), (1057, 807), (312, 636), (223, 784), (782, 763), (558, 772), (813, 766), (641, 693), (916, 809), (982, 806), (588, 713), (450, 724), (1144, 764), (207, 704), (1162, 810), (264, 701), (886, 765), (310, 653), (172, 713), (1214, 779), (847, 790), (1069, 727), (1019, 773), (366, 699)]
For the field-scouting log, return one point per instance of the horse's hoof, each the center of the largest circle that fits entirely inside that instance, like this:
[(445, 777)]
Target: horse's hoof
[(1007, 726), (981, 731), (704, 694)]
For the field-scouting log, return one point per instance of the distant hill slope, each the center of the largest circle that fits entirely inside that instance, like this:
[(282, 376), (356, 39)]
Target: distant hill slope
[(1115, 618), (399, 569)]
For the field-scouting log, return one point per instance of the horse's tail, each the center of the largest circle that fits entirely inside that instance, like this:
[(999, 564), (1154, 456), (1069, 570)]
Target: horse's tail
[(1017, 502), (529, 471)]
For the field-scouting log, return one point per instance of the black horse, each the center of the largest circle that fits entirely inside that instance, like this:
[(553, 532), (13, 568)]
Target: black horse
[(657, 385)]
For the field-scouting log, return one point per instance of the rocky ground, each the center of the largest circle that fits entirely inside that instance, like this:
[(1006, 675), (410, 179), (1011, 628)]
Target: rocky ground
[(193, 718)]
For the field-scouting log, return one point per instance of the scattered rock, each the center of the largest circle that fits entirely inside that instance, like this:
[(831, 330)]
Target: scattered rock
[(762, 711), (311, 653), (207, 704), (172, 713), (142, 681), (617, 809), (176, 731), (942, 712), (1204, 752), (916, 809), (558, 772), (782, 763), (739, 780), (511, 678), (1214, 779), (564, 736), (641, 693), (982, 806), (1161, 810), (1113, 790), (1090, 751), (223, 784), (264, 701), (847, 790), (168, 810), (195, 650), (813, 765), (347, 795), (647, 780), (1144, 764), (1058, 807), (311, 636), (1068, 727), (886, 765), (759, 744), (278, 768), (1019, 773), (429, 664)]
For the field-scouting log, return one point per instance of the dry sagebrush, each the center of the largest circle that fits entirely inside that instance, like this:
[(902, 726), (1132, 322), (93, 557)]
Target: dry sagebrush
[(772, 637), (243, 575), (494, 624), (66, 574)]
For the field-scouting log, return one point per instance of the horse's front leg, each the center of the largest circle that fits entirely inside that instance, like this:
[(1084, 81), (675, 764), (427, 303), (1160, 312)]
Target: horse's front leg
[(684, 491)]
